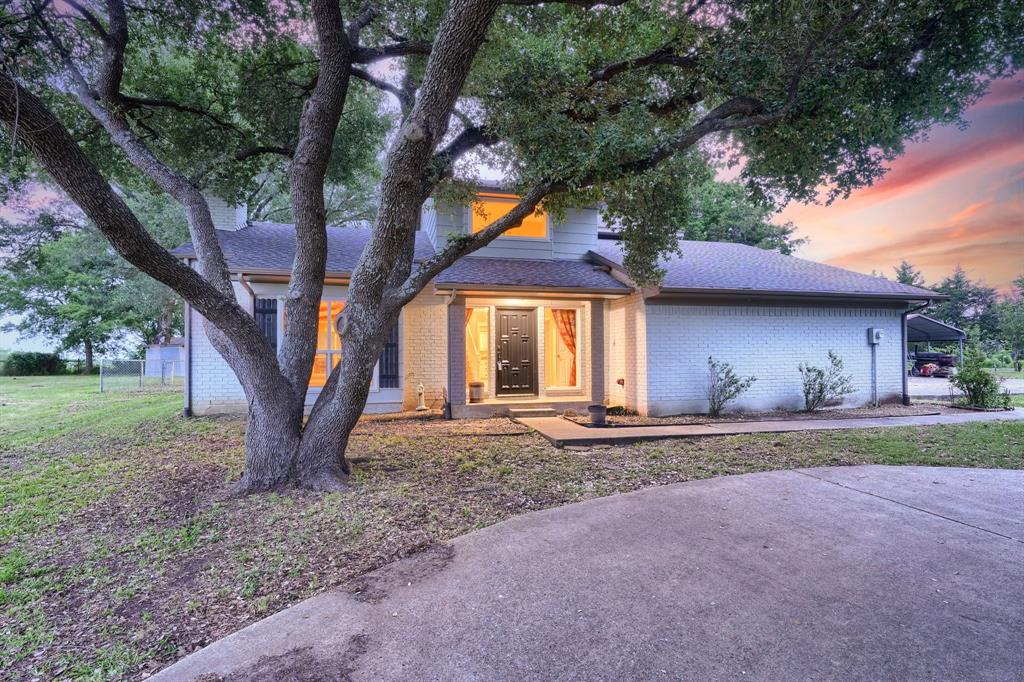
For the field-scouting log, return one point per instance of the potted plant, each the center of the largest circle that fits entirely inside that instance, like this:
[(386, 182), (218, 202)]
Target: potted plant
[(598, 414)]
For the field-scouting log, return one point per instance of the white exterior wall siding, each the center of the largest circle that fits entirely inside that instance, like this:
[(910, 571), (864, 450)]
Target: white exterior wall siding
[(576, 235), (569, 239), (768, 342)]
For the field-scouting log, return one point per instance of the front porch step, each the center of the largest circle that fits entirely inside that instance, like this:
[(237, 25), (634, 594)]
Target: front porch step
[(519, 412)]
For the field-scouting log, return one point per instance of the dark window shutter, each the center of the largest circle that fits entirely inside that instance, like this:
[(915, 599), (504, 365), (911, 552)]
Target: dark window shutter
[(265, 312), (387, 374)]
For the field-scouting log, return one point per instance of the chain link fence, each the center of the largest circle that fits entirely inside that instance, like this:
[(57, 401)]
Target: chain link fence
[(140, 375)]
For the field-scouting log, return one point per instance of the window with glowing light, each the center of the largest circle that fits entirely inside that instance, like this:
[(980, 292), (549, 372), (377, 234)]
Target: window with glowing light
[(489, 207), (561, 344)]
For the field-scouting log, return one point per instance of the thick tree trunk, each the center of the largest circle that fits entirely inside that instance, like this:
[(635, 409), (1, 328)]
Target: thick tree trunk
[(321, 462), (271, 444), (88, 356)]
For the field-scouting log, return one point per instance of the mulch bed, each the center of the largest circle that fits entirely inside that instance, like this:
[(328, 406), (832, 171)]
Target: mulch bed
[(774, 415)]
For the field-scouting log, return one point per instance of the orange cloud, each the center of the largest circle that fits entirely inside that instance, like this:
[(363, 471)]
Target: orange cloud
[(969, 211), (987, 238), (918, 169)]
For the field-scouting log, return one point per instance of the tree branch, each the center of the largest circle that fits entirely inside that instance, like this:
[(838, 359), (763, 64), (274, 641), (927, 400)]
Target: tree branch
[(131, 101), (364, 19), (443, 161), (586, 4), (368, 55), (90, 18), (403, 97), (58, 153), (204, 239), (318, 126), (750, 112), (663, 55)]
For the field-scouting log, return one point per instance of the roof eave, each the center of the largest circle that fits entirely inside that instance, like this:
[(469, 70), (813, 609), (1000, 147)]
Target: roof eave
[(789, 293), (534, 290)]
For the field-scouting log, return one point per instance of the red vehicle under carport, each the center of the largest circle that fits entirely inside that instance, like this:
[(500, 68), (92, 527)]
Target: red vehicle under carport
[(924, 330)]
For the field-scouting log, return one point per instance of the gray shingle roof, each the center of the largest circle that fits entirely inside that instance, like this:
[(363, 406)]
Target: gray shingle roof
[(720, 266), (702, 267), (555, 274), (271, 246)]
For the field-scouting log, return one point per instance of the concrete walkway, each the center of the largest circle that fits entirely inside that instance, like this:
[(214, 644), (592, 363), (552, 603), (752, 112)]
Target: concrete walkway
[(853, 573), (564, 432)]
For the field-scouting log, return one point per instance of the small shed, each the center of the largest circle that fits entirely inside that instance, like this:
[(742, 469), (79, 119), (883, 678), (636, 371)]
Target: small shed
[(928, 330), (166, 360)]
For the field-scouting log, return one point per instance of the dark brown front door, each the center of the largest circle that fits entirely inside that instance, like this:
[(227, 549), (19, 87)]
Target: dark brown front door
[(517, 351)]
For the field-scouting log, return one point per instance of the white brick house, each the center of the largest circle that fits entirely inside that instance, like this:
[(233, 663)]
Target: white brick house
[(546, 316)]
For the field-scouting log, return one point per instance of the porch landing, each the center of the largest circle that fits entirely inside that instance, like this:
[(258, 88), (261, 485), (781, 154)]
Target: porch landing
[(563, 432), (504, 408)]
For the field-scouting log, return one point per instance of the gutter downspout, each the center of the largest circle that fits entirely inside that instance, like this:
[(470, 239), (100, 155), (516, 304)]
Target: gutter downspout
[(446, 405), (252, 294), (903, 340), (187, 409)]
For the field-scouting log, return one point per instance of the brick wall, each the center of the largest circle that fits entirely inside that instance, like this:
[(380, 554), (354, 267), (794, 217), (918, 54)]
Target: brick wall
[(425, 337), (768, 342)]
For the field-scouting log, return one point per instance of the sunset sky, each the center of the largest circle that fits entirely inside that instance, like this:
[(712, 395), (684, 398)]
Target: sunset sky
[(956, 198)]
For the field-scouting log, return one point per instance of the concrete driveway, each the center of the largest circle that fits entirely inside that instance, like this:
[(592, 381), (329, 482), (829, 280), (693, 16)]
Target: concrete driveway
[(937, 387), (857, 573)]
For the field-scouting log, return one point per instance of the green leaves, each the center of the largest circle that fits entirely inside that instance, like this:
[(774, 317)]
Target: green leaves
[(594, 101), (65, 282)]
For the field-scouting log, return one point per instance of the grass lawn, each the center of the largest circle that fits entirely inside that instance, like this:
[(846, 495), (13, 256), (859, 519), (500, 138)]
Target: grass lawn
[(120, 553), (1008, 373)]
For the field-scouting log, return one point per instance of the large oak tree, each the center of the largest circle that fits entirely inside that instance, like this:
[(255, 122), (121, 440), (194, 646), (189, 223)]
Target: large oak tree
[(577, 101)]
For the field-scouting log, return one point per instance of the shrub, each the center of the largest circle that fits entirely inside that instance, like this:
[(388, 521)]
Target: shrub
[(724, 386), (822, 386), (33, 364), (978, 384)]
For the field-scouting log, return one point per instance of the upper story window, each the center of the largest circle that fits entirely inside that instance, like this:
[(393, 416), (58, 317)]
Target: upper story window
[(490, 206)]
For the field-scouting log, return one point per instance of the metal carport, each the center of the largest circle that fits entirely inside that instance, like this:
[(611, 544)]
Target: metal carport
[(924, 329)]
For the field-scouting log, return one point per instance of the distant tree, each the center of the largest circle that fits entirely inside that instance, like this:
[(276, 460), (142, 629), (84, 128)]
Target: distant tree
[(65, 290), (65, 282), (726, 212), (1010, 314), (907, 274), (969, 302)]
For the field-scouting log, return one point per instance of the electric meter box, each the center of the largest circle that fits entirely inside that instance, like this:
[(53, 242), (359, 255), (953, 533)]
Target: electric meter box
[(875, 336)]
